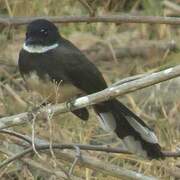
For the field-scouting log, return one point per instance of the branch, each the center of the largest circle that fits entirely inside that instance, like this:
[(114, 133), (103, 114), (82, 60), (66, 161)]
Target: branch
[(44, 145), (43, 169), (101, 166), (85, 160), (144, 48), (8, 21), (109, 93), (17, 135)]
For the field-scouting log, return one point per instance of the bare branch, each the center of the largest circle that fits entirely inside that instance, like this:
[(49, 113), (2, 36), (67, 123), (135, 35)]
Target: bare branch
[(44, 145), (18, 135), (106, 149), (77, 157), (85, 160), (8, 21), (42, 168), (13, 94), (144, 49), (106, 168), (104, 95)]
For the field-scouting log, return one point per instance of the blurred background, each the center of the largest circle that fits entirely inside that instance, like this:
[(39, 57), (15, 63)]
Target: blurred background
[(119, 50)]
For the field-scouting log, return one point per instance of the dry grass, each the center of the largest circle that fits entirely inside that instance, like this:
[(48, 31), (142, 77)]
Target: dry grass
[(158, 105)]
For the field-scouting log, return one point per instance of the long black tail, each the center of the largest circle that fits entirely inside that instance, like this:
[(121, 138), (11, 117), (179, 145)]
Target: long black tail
[(136, 135)]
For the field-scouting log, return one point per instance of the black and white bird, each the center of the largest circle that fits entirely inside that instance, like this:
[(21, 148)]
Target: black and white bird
[(48, 61)]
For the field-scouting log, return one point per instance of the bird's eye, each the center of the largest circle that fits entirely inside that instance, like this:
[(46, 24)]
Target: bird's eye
[(44, 31)]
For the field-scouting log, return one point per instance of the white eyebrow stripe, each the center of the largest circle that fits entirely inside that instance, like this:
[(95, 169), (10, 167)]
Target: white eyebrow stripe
[(39, 48)]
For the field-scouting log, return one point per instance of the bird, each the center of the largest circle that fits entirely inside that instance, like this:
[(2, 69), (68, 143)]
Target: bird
[(51, 64)]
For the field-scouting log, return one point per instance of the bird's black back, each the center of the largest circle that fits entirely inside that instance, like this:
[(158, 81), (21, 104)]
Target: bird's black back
[(65, 63)]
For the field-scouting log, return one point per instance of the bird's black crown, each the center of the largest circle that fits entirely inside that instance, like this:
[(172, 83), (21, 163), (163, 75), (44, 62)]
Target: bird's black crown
[(41, 32)]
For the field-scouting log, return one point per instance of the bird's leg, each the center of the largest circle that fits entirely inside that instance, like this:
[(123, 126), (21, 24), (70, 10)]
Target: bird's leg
[(70, 102), (82, 113)]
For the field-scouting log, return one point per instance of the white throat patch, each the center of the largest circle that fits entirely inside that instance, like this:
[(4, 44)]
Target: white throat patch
[(39, 48)]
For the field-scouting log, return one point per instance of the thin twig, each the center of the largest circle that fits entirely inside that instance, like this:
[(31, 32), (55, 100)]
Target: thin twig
[(49, 118), (77, 157), (8, 21), (42, 168), (18, 135), (33, 137), (85, 161), (45, 146), (14, 94), (81, 146), (104, 167)]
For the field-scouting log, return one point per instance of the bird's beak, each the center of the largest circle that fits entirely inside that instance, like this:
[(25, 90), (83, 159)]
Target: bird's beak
[(33, 41), (30, 41)]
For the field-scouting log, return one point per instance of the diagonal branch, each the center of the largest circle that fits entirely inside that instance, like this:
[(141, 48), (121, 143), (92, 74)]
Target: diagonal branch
[(109, 93), (8, 21), (88, 147), (85, 161), (43, 169), (43, 145), (17, 135)]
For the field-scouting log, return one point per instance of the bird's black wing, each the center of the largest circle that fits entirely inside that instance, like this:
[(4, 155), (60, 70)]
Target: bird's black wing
[(113, 115), (80, 71), (73, 65)]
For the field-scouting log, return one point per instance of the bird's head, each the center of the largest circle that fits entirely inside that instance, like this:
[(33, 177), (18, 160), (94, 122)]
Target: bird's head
[(41, 36)]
